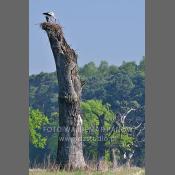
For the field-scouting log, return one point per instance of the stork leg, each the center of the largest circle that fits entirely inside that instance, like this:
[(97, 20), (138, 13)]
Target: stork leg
[(47, 18)]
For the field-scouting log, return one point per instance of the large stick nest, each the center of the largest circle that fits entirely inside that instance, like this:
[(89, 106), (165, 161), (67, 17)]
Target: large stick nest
[(56, 29)]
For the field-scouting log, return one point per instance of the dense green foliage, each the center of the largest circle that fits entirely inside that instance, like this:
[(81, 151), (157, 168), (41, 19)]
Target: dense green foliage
[(117, 89), (118, 138), (36, 121), (92, 110)]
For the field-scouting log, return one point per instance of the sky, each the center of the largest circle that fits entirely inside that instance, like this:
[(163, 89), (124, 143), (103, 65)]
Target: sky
[(111, 30)]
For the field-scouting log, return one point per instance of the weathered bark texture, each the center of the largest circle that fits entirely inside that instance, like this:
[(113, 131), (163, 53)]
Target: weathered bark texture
[(101, 143), (70, 152), (128, 163), (114, 158), (129, 156)]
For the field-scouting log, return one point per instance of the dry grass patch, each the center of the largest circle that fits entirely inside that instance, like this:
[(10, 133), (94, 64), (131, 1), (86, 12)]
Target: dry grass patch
[(119, 171)]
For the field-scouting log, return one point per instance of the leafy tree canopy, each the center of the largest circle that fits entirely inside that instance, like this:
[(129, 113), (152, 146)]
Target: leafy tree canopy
[(36, 121)]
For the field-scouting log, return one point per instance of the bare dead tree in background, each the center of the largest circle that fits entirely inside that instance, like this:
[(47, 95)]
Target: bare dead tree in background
[(69, 152), (134, 131)]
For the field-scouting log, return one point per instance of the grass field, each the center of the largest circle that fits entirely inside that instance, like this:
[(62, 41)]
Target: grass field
[(119, 171)]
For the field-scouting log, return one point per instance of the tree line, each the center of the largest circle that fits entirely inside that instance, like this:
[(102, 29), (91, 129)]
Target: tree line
[(113, 110)]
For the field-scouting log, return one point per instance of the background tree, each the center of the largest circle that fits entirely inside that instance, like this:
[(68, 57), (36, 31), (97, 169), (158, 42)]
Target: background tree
[(36, 121), (120, 87), (97, 119)]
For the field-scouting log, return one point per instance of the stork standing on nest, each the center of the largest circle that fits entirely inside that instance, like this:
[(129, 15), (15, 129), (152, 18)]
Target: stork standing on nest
[(50, 16)]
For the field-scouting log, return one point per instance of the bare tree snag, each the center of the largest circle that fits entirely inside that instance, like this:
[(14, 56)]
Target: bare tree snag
[(101, 142), (114, 158), (69, 152)]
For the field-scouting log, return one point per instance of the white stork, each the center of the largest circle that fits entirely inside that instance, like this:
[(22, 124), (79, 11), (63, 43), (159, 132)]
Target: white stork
[(50, 16)]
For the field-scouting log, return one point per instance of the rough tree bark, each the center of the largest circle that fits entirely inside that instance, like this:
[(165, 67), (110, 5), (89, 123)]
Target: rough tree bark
[(101, 142), (69, 152), (114, 158)]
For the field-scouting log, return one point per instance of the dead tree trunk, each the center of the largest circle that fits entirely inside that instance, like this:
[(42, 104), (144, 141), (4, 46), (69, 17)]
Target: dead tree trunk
[(69, 152), (114, 158), (101, 143)]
